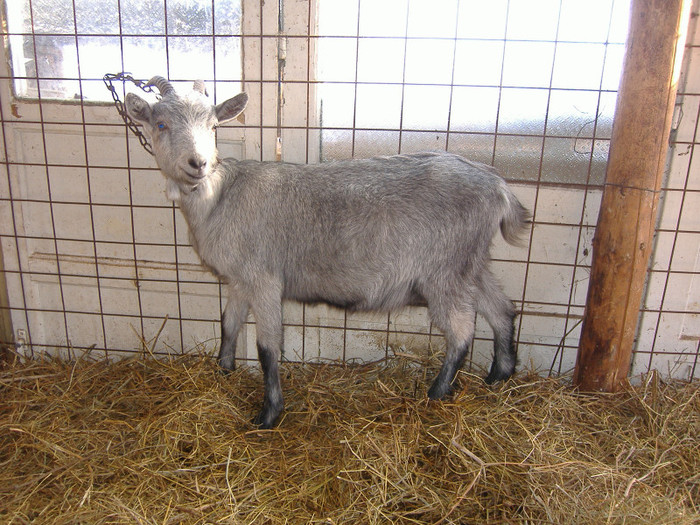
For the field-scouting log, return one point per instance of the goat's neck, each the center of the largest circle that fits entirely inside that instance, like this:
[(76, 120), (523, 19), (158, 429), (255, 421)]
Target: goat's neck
[(196, 205)]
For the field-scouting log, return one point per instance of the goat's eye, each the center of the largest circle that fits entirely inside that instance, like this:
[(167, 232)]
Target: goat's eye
[(161, 126)]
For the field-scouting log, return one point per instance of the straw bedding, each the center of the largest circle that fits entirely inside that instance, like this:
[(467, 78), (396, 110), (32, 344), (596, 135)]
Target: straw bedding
[(169, 441)]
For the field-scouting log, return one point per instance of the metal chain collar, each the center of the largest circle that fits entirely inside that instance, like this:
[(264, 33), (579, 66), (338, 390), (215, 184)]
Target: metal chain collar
[(143, 85)]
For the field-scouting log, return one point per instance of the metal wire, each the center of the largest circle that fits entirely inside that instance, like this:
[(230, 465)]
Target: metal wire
[(60, 253)]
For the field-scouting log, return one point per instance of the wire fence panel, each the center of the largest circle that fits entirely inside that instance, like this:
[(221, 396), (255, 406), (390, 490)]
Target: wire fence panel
[(97, 259)]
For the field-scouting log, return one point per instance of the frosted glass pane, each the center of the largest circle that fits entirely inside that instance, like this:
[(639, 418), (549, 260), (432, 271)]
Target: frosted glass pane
[(534, 20), (473, 146), (191, 58), (601, 150), (102, 21), (337, 18), (186, 17), (566, 160), (482, 19), (522, 111), (337, 105), (383, 17), (572, 113), (336, 59), (145, 56), (528, 64), (619, 22), (606, 113), (426, 107), (478, 63), (379, 60), (143, 18), (98, 56), (371, 143), (62, 75), (518, 158), (378, 106), (417, 141), (474, 109), (227, 17), (612, 73), (587, 21), (336, 144), (228, 58), (432, 19), (59, 60), (578, 66), (47, 16), (429, 61)]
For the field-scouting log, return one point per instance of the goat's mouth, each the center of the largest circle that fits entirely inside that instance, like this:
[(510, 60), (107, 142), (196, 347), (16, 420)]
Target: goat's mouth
[(193, 175)]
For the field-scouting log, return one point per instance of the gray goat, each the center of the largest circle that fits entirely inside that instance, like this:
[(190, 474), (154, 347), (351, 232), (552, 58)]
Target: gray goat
[(374, 234)]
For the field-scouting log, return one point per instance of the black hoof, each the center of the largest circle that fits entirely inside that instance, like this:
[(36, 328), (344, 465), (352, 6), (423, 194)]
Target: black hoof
[(439, 390), (263, 422), (226, 367), (266, 419), (496, 375)]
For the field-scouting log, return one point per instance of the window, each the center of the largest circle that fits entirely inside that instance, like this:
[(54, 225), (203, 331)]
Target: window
[(508, 83), (61, 48), (529, 87)]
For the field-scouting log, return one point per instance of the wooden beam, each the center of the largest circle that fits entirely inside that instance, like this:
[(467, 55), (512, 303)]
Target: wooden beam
[(624, 236)]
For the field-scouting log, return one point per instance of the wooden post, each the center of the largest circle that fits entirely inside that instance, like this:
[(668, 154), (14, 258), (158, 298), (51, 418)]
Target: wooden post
[(624, 235)]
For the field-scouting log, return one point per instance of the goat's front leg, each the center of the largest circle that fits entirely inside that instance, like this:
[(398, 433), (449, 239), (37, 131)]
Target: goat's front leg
[(235, 314), (268, 322)]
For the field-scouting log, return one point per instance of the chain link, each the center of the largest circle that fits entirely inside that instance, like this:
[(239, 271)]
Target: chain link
[(143, 85)]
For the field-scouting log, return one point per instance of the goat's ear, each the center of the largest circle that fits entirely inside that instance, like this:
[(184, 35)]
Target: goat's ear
[(138, 109), (231, 108), (200, 87)]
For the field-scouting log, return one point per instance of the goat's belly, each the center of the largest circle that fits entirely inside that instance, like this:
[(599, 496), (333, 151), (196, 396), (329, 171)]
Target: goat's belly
[(358, 297)]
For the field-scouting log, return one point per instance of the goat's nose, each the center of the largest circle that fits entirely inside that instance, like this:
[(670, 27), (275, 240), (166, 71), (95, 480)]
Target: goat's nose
[(197, 162)]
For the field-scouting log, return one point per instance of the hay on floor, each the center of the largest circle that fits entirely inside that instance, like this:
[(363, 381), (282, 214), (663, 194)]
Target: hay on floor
[(170, 441)]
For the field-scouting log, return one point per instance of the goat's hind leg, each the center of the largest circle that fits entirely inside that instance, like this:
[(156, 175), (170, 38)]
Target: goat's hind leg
[(504, 355), (499, 312), (458, 327)]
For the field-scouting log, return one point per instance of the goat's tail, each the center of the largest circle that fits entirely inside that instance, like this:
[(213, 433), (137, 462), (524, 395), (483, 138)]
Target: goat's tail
[(515, 218)]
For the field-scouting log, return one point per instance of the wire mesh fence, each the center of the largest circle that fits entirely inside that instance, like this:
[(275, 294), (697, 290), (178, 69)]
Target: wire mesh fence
[(96, 258)]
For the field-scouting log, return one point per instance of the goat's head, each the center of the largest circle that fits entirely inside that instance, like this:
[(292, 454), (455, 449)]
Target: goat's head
[(181, 130)]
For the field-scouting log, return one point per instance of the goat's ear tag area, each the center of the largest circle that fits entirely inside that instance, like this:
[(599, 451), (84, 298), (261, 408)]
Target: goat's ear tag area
[(137, 108), (231, 108)]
